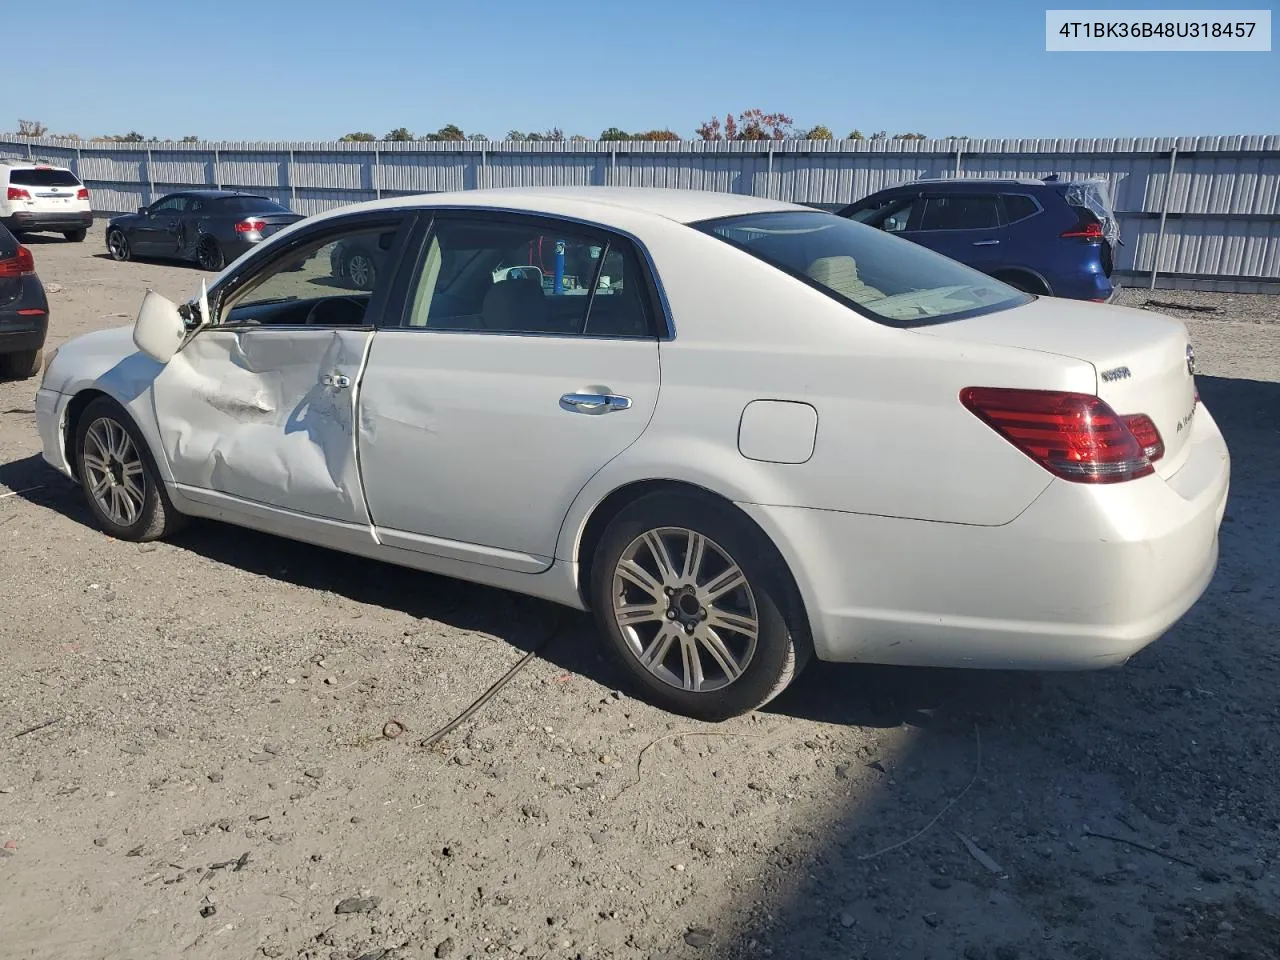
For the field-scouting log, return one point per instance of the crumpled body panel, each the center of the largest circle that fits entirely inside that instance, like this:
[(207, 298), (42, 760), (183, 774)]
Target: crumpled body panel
[(248, 412)]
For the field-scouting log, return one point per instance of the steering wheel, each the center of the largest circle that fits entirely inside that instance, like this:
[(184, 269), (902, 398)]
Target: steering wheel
[(315, 316)]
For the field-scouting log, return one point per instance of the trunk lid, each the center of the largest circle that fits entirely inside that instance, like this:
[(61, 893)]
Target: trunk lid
[(1142, 360), (275, 222)]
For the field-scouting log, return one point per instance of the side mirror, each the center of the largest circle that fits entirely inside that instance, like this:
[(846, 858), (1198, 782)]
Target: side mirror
[(159, 330), (143, 210)]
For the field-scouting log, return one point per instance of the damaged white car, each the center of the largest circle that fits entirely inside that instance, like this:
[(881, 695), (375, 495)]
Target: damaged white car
[(742, 432)]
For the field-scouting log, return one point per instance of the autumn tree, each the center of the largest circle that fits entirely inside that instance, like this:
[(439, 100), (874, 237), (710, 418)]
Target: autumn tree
[(190, 138), (449, 133), (908, 136), (856, 135), (819, 133), (753, 124), (399, 135), (614, 133), (359, 136), (31, 128), (478, 138), (658, 135)]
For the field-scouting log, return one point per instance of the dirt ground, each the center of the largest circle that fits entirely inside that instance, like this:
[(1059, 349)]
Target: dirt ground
[(215, 781)]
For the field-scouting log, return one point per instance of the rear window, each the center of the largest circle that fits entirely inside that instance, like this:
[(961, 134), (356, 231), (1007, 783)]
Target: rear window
[(250, 205), (43, 178), (888, 279)]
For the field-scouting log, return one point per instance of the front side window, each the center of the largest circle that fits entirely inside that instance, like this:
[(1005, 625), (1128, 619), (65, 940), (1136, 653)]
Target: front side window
[(965, 212), (505, 276), (888, 279), (173, 203), (310, 286)]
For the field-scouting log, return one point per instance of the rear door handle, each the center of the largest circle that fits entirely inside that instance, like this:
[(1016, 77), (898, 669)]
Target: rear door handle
[(985, 243), (595, 403), (339, 381)]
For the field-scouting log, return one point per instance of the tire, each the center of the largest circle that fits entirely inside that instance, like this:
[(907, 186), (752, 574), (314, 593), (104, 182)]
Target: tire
[(677, 617), (75, 236), (23, 365), (360, 270), (112, 458), (1024, 282), (118, 246), (209, 254)]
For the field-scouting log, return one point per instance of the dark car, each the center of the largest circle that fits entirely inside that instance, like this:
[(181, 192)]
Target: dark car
[(24, 311), (211, 227), (358, 262), (1047, 237)]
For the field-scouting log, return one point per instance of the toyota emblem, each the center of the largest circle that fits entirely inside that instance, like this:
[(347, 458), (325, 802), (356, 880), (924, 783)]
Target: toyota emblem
[(1191, 360)]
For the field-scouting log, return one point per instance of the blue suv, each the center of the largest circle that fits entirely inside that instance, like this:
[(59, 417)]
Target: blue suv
[(1048, 237)]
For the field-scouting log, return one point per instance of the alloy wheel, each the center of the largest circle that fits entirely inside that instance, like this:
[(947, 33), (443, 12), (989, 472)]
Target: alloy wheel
[(360, 271), (115, 472), (118, 245), (685, 609)]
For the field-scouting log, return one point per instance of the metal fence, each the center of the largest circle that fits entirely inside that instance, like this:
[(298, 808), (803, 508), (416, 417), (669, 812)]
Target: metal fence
[(1200, 212)]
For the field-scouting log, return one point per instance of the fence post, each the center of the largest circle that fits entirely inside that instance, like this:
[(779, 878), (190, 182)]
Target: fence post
[(1164, 212), (613, 166), (377, 172), (958, 150), (217, 168), (293, 190), (151, 180), (768, 176)]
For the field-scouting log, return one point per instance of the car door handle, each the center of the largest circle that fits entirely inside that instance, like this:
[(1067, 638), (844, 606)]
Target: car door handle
[(339, 381), (985, 243), (594, 402)]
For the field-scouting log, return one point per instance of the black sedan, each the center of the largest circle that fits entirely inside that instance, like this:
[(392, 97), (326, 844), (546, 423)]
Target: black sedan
[(211, 227), (24, 311)]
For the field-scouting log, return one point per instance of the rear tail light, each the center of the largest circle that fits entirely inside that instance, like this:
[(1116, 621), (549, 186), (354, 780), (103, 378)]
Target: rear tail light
[(1145, 432), (1087, 229), (250, 226), (17, 193), (82, 193), (1075, 436), (21, 264)]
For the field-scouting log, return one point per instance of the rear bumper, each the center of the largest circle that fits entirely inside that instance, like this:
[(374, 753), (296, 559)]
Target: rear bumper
[(21, 332), (1083, 578), (37, 220)]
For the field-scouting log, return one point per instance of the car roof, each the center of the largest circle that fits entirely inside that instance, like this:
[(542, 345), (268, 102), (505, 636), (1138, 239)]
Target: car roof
[(217, 194), (590, 203), (21, 163)]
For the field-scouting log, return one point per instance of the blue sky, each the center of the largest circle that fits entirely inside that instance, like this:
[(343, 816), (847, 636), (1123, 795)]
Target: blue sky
[(288, 70)]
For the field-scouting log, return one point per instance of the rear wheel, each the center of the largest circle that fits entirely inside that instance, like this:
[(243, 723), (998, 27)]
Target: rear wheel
[(210, 254), (118, 245), (694, 604), (75, 236), (119, 476), (361, 271), (23, 365), (1025, 282)]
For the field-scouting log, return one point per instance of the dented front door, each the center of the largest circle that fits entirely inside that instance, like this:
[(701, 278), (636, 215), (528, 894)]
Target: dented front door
[(265, 415)]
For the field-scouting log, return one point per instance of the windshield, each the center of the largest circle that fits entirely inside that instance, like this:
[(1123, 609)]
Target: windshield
[(886, 278)]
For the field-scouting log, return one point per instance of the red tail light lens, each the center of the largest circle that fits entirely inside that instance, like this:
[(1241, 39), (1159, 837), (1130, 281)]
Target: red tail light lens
[(17, 193), (1145, 432), (19, 265), (250, 226), (1084, 231), (1075, 436), (82, 193)]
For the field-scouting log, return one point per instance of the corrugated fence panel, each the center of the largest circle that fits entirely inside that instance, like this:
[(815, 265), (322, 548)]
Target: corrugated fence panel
[(1223, 200)]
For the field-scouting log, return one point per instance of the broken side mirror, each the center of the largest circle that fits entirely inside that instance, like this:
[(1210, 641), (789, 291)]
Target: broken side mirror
[(159, 330)]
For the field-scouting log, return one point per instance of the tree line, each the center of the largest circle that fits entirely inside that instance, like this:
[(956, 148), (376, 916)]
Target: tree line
[(753, 124)]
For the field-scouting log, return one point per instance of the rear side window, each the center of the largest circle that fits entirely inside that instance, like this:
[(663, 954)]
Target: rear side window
[(885, 278), (971, 212), (249, 205), (1017, 207), (43, 178)]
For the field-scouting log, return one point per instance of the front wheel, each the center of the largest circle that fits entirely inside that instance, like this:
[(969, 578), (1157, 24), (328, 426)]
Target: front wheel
[(76, 236), (119, 477), (361, 271), (695, 604)]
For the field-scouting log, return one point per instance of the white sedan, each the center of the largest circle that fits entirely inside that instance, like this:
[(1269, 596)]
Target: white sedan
[(740, 431)]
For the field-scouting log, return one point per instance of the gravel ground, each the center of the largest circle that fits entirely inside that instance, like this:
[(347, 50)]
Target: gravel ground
[(217, 783)]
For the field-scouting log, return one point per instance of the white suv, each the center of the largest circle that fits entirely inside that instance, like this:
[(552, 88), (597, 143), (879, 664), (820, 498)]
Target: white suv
[(39, 196)]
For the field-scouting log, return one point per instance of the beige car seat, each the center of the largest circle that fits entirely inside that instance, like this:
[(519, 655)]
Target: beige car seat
[(841, 275)]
